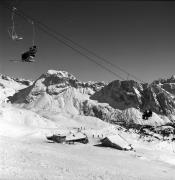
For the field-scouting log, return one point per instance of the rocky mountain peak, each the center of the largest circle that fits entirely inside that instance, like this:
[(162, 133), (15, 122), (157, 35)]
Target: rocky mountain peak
[(5, 77), (59, 90), (54, 81), (12, 79), (60, 74), (173, 77), (120, 94)]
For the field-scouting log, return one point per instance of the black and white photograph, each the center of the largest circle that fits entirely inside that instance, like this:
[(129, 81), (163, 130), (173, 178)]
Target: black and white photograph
[(87, 90)]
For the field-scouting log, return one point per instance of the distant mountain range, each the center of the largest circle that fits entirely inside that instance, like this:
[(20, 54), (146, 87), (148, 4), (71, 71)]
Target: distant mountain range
[(119, 102)]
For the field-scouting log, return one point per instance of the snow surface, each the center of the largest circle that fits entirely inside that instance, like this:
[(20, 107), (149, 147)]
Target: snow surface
[(25, 153), (116, 139), (60, 74), (8, 87)]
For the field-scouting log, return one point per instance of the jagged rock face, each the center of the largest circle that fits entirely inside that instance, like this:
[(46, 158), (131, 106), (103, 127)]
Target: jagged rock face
[(149, 99), (163, 81), (53, 82), (55, 91), (117, 102), (170, 87), (101, 111), (18, 80), (23, 81), (130, 117), (167, 104), (120, 94), (163, 101), (130, 94), (167, 84), (9, 86)]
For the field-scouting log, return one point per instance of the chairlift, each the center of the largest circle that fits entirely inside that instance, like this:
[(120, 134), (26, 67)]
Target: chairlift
[(29, 55), (146, 114), (11, 30)]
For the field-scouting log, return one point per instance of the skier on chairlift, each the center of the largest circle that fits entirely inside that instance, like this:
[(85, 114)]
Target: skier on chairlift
[(28, 56), (146, 114)]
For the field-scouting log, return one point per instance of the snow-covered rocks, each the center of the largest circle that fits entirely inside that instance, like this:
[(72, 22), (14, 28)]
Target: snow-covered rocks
[(117, 102), (9, 86), (120, 94), (55, 91), (57, 103)]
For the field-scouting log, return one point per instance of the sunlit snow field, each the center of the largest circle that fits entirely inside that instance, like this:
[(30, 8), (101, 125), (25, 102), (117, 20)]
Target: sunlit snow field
[(26, 154)]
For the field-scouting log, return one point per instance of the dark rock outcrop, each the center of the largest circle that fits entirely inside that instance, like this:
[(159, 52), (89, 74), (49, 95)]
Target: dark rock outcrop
[(120, 94), (119, 102)]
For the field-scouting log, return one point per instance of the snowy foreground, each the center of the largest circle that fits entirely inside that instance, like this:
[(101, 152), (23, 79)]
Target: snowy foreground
[(25, 154), (33, 158)]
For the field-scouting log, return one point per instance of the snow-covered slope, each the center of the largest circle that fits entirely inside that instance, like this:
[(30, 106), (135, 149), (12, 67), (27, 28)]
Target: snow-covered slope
[(58, 103), (127, 94), (25, 153), (9, 86), (120, 94), (116, 102), (55, 91)]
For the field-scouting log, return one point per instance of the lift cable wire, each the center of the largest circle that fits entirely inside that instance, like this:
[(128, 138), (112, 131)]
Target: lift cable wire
[(54, 34), (84, 48), (82, 54), (89, 51), (62, 41), (11, 30), (33, 29)]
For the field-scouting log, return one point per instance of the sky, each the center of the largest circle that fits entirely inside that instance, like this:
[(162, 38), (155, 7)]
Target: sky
[(138, 36)]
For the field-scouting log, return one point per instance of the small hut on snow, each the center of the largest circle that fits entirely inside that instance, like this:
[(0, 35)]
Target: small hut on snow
[(69, 138), (116, 141), (57, 138), (78, 137)]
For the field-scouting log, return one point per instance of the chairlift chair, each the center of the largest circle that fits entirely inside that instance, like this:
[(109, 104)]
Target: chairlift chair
[(29, 56), (11, 30), (13, 35)]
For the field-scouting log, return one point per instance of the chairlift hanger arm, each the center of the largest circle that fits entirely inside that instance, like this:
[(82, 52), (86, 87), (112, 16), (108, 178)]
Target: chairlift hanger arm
[(11, 30), (53, 35), (65, 40)]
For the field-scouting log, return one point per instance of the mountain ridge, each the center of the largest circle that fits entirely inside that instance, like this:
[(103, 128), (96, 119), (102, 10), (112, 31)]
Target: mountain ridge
[(117, 101)]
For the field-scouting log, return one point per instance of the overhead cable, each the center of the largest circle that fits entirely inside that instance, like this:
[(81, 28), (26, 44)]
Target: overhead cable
[(55, 35)]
